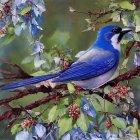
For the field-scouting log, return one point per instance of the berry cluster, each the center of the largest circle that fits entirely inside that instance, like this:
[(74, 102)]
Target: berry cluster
[(74, 111), (27, 123), (122, 91)]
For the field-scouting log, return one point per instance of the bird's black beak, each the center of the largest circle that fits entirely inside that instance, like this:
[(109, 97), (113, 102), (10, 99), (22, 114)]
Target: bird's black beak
[(126, 30), (123, 32)]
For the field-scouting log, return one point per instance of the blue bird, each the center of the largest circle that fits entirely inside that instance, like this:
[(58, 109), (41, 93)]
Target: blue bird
[(94, 67)]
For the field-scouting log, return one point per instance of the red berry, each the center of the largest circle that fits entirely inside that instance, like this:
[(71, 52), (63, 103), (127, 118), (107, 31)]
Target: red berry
[(27, 123), (112, 96), (108, 123), (66, 64), (74, 111), (7, 8)]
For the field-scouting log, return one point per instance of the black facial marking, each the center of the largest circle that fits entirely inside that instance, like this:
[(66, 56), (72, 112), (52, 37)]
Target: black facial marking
[(117, 30), (120, 37)]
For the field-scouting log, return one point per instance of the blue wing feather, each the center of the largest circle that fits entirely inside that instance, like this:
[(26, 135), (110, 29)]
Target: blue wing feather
[(30, 81), (86, 70)]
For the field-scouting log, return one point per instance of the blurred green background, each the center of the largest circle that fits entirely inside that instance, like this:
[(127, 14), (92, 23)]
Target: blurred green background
[(57, 19)]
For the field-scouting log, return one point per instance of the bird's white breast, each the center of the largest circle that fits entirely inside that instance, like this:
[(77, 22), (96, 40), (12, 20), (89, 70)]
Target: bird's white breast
[(115, 43)]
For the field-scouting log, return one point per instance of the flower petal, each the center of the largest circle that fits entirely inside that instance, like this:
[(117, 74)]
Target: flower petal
[(87, 109), (40, 130), (137, 58), (38, 48), (66, 137), (38, 62), (23, 135)]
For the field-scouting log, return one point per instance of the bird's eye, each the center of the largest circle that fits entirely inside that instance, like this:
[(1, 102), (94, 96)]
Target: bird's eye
[(116, 30)]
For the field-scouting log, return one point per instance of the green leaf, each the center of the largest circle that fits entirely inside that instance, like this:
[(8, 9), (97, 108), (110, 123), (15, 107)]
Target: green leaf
[(83, 122), (116, 16), (52, 113), (71, 87), (27, 59), (125, 41), (49, 58), (135, 123), (137, 20), (127, 18), (97, 104), (39, 73), (62, 111), (101, 118), (25, 10), (118, 122), (64, 124), (113, 129), (8, 39), (107, 89), (137, 36), (102, 105), (127, 5), (16, 128), (124, 63), (65, 101), (11, 30), (113, 5)]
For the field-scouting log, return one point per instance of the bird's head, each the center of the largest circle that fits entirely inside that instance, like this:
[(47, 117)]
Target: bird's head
[(112, 34)]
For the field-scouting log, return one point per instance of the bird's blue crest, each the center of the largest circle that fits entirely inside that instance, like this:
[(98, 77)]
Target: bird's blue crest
[(104, 37), (108, 28), (106, 33)]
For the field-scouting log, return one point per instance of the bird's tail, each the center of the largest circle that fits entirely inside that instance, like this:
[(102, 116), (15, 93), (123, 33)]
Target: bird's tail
[(29, 81)]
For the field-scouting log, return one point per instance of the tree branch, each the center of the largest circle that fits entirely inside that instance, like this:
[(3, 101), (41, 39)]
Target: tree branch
[(96, 14), (127, 76), (16, 111), (22, 93), (18, 74)]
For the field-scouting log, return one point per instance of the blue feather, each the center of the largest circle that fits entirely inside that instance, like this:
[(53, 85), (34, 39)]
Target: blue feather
[(30, 81), (86, 70)]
